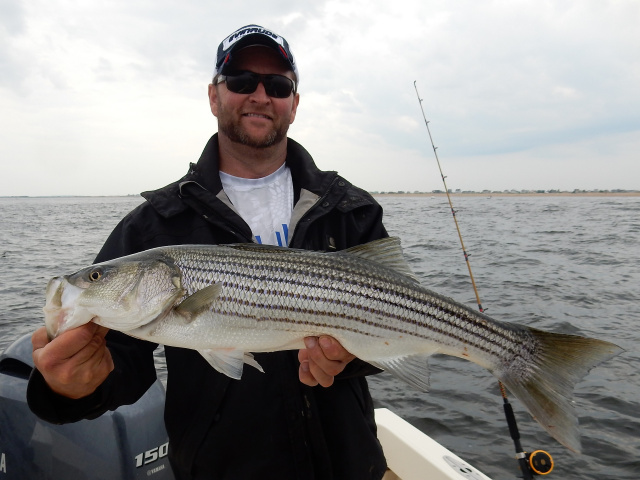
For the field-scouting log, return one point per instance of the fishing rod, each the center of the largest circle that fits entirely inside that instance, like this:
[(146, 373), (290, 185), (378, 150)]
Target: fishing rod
[(538, 462)]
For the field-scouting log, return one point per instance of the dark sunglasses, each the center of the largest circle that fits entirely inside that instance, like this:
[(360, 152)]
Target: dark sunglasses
[(276, 86)]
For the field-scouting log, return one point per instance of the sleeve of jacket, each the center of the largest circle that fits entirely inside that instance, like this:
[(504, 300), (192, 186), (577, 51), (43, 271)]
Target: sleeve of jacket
[(134, 368)]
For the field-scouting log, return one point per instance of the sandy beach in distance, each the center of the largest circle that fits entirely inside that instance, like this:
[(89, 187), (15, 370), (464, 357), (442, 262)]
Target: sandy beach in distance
[(505, 194)]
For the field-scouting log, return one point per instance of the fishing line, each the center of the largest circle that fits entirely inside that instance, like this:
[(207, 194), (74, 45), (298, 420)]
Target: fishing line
[(538, 462)]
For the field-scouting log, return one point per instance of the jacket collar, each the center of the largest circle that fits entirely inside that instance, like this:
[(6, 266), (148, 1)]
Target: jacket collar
[(204, 176)]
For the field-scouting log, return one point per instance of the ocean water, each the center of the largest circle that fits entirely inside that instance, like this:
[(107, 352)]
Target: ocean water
[(565, 264)]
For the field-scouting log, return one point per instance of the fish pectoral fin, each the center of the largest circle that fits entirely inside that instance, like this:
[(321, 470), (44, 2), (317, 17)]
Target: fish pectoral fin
[(198, 301), (229, 362), (413, 369)]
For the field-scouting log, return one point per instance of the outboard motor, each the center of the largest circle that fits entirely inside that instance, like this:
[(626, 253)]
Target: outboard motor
[(129, 443)]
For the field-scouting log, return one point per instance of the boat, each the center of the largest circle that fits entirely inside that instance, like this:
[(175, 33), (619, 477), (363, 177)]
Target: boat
[(114, 446), (413, 455)]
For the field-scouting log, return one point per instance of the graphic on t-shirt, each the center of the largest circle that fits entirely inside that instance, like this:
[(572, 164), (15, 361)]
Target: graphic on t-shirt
[(280, 236), (266, 204)]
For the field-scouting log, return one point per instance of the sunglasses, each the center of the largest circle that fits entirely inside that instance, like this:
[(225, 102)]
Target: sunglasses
[(276, 86)]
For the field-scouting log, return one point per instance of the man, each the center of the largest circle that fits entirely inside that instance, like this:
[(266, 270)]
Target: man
[(251, 183)]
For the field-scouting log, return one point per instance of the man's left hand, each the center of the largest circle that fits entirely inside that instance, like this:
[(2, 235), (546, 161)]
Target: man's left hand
[(322, 360)]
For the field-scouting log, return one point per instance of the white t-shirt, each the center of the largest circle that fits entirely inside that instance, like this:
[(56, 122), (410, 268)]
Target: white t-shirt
[(264, 203)]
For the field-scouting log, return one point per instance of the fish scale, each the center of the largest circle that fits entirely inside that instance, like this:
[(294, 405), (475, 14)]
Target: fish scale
[(229, 301)]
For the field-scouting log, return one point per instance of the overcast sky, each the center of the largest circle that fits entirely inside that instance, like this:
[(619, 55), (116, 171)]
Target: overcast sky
[(109, 97)]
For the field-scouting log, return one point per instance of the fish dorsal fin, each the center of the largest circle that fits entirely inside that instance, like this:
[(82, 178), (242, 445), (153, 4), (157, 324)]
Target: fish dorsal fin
[(198, 301), (229, 361), (385, 251), (412, 369)]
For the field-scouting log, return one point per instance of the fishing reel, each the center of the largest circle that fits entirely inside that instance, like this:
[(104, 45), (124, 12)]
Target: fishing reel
[(537, 462)]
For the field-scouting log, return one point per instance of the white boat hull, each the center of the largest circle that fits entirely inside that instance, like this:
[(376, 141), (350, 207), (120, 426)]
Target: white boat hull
[(413, 455)]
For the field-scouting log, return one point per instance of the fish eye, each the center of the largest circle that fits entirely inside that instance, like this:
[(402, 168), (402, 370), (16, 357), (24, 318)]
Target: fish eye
[(95, 274)]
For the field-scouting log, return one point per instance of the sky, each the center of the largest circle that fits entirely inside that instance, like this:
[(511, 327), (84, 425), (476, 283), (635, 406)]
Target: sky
[(110, 97)]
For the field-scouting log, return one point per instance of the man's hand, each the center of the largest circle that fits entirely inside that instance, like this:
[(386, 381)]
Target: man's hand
[(323, 359), (75, 363)]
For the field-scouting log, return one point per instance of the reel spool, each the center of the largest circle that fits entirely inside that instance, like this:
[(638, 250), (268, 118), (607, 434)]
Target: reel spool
[(540, 462)]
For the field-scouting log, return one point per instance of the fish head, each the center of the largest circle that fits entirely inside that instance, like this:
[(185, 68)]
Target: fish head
[(122, 294)]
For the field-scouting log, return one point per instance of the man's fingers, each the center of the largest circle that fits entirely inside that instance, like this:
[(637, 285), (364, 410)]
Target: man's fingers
[(305, 374), (99, 362), (75, 363), (39, 338), (333, 350), (327, 354), (323, 359), (69, 344), (320, 374)]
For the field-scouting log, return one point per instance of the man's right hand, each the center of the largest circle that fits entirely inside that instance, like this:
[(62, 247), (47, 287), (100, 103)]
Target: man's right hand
[(75, 363)]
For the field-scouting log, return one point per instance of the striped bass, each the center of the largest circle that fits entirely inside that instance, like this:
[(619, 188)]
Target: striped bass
[(227, 301)]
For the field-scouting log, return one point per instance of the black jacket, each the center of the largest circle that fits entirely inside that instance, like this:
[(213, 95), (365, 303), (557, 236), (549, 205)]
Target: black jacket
[(266, 425)]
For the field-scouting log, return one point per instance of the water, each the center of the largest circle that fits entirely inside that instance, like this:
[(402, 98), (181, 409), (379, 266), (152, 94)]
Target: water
[(566, 264)]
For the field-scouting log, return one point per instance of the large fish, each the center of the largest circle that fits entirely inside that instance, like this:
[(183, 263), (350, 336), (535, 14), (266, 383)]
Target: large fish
[(229, 300)]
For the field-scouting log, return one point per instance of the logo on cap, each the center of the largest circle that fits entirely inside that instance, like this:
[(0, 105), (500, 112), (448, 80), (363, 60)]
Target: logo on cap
[(239, 34)]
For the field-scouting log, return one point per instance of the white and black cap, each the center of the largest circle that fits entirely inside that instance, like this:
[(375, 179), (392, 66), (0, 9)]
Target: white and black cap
[(249, 36)]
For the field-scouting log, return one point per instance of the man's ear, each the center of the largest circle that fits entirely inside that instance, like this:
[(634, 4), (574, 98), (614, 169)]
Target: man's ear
[(294, 108), (213, 99)]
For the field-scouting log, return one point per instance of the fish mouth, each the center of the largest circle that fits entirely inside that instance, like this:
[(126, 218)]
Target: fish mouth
[(53, 307), (59, 310)]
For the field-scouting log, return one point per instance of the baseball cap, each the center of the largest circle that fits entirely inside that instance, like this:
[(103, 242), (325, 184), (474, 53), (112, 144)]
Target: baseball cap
[(249, 36)]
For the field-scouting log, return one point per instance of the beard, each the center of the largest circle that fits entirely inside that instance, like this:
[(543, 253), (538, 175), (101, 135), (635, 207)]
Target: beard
[(232, 129)]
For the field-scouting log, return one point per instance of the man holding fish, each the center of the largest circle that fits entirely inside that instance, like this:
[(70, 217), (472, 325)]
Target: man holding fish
[(251, 184)]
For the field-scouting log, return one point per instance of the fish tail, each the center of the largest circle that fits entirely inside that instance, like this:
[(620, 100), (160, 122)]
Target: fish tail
[(544, 379)]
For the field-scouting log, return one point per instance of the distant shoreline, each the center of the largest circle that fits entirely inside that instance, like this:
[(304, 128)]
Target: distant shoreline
[(396, 194), (503, 194)]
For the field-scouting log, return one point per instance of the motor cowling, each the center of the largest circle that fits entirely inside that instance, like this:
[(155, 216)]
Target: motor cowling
[(129, 443)]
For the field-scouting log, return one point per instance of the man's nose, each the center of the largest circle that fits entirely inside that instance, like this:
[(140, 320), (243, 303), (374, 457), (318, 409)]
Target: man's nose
[(260, 94)]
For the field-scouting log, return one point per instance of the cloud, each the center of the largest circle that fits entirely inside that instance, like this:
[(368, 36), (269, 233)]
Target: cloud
[(13, 66), (97, 91)]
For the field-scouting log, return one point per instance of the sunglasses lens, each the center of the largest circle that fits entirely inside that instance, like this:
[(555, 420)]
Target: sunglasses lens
[(276, 86), (245, 82)]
